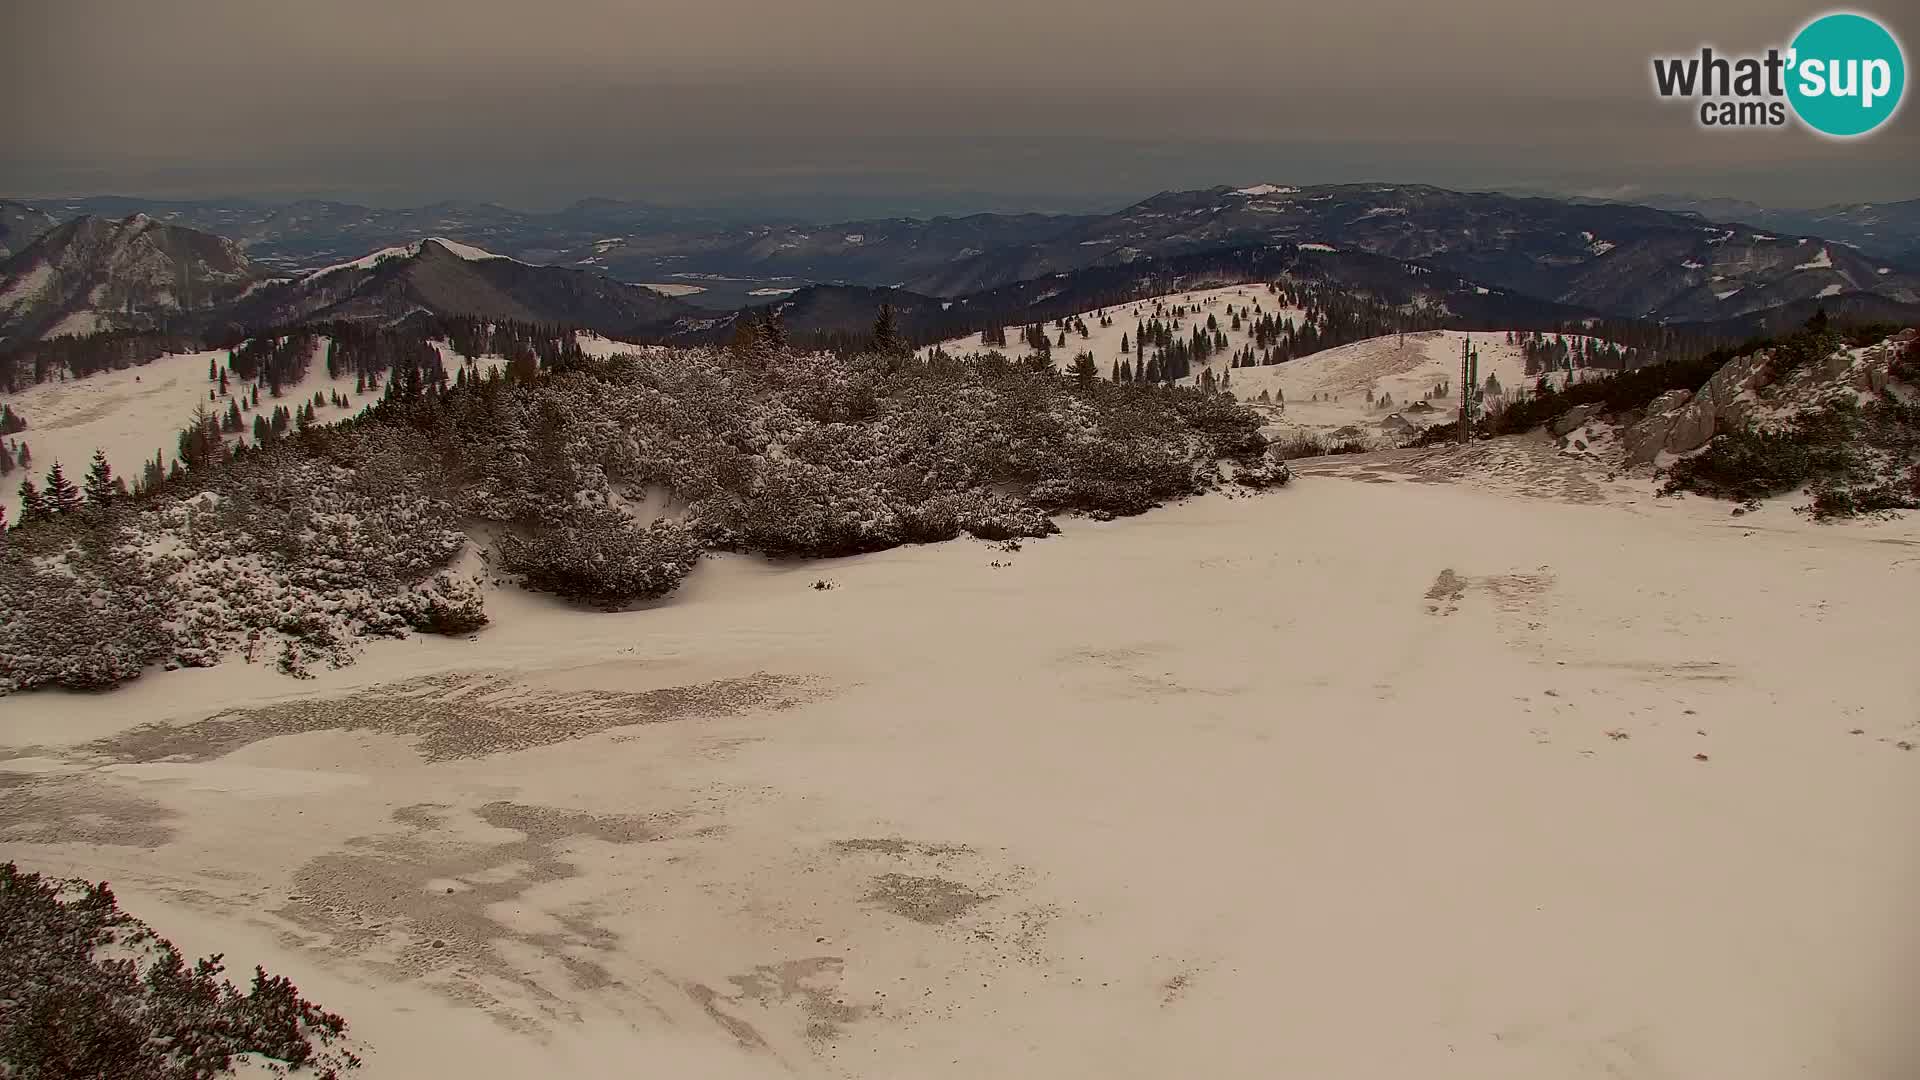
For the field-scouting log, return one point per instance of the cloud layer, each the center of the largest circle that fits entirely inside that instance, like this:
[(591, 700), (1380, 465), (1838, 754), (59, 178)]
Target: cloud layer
[(1070, 102)]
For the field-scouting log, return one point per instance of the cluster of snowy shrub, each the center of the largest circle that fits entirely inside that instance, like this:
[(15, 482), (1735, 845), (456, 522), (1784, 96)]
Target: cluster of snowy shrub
[(291, 555), (288, 564), (93, 991)]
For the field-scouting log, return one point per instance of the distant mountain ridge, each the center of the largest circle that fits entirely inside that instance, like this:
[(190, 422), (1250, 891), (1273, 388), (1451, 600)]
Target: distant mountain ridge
[(1625, 260), (827, 309), (1524, 261), (20, 225), (443, 277), (92, 274), (1889, 230)]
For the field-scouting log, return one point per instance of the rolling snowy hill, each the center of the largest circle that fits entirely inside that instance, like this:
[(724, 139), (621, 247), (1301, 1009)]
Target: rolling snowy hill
[(1369, 391), (133, 413), (1104, 341), (1379, 390)]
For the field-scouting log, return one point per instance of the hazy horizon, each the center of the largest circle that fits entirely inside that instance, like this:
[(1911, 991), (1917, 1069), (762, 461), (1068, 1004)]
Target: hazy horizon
[(875, 109), (851, 201)]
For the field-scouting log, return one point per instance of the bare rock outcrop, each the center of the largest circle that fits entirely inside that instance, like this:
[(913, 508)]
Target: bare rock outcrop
[(1572, 419), (1646, 439), (1750, 388)]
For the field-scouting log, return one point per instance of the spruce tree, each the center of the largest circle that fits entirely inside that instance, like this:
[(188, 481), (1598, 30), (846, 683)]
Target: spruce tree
[(745, 346), (153, 474), (33, 505), (103, 489), (886, 333), (61, 496), (773, 333)]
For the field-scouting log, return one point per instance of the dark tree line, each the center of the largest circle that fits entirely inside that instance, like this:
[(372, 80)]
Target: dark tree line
[(78, 357)]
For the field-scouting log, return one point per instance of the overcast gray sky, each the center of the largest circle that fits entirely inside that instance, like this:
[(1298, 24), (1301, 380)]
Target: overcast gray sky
[(1055, 103)]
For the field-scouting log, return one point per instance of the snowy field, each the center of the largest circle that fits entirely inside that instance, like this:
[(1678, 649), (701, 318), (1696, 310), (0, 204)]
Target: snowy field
[(1324, 392), (1245, 787), (1340, 387), (132, 413)]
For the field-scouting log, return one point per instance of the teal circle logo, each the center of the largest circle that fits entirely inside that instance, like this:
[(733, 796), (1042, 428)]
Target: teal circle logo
[(1847, 75)]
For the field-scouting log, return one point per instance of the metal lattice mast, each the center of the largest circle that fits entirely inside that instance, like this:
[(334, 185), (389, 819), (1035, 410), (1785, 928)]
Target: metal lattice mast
[(1466, 387)]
